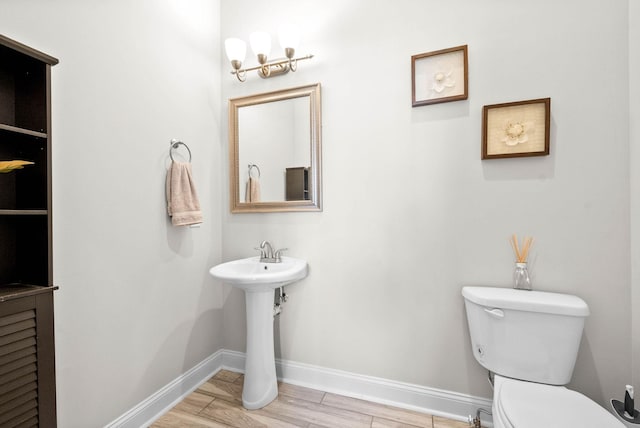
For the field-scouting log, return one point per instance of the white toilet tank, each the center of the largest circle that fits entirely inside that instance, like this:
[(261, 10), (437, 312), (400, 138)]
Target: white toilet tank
[(528, 335)]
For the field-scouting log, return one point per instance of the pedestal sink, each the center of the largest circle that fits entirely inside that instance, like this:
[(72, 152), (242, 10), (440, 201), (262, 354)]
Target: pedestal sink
[(259, 280)]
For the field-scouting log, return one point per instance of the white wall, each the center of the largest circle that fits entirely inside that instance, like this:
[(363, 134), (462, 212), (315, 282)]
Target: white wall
[(411, 213), (136, 307), (634, 139)]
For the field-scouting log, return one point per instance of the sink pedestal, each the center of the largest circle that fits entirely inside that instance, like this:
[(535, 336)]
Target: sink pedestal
[(260, 383)]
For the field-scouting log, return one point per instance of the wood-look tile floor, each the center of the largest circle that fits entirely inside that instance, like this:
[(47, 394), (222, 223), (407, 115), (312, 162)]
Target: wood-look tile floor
[(218, 403)]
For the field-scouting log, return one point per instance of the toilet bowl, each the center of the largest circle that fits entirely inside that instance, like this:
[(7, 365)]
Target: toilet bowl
[(529, 340), (522, 404)]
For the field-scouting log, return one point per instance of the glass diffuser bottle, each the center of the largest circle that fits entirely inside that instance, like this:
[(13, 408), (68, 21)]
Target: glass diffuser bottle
[(521, 279)]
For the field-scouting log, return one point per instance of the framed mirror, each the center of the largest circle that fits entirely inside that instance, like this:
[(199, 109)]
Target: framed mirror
[(275, 151)]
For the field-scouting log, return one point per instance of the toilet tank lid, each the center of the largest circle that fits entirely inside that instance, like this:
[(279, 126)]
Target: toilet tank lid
[(523, 300)]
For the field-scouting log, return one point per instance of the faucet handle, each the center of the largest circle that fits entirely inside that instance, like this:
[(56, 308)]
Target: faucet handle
[(278, 253), (262, 252)]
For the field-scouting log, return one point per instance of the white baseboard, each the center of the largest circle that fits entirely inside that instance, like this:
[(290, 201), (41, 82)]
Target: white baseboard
[(423, 399), (146, 412), (419, 398)]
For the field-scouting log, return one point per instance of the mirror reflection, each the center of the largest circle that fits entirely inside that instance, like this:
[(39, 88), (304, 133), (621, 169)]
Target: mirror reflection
[(275, 142), (274, 139)]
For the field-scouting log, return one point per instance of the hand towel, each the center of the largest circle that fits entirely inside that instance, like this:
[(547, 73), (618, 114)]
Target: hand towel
[(253, 190), (182, 199)]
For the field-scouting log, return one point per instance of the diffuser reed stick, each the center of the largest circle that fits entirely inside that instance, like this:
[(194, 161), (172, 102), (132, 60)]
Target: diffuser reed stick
[(521, 254)]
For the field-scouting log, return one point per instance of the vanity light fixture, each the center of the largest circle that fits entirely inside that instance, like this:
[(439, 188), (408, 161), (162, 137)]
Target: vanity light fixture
[(261, 45)]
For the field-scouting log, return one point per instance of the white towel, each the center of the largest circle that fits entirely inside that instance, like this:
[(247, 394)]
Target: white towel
[(182, 199)]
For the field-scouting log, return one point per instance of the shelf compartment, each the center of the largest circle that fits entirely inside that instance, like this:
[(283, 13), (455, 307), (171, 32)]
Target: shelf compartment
[(23, 91), (24, 189), (24, 254)]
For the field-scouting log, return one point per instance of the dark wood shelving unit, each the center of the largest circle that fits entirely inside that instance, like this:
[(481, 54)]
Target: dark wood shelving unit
[(297, 184), (27, 349)]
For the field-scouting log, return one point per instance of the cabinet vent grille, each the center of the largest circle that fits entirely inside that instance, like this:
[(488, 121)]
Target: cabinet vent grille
[(18, 370)]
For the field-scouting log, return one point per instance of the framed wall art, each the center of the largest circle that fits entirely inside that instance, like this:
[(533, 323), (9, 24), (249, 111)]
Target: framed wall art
[(516, 129), (439, 76)]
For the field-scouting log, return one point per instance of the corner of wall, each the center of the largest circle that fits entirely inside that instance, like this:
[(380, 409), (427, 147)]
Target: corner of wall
[(634, 142)]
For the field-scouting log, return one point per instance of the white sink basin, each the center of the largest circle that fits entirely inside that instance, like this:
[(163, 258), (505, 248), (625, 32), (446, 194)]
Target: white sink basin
[(252, 275)]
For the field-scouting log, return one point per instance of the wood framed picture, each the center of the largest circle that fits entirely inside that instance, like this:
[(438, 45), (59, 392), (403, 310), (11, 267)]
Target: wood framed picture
[(439, 76), (516, 129)]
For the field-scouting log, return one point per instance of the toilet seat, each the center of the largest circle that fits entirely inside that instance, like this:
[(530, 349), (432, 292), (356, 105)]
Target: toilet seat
[(522, 404)]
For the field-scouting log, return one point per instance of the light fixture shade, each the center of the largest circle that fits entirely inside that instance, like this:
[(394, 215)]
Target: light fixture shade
[(289, 36), (260, 43), (236, 49)]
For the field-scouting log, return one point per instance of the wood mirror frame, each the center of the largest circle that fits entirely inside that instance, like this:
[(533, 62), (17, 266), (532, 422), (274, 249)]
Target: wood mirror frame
[(314, 201)]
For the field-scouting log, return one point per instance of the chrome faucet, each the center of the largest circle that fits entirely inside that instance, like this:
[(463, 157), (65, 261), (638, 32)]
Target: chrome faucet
[(266, 250), (267, 255)]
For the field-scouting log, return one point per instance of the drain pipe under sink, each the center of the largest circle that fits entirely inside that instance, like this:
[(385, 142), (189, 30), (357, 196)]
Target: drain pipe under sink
[(280, 298)]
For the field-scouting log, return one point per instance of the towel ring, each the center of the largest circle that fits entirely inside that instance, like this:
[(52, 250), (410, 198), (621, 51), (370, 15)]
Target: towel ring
[(251, 166), (174, 145)]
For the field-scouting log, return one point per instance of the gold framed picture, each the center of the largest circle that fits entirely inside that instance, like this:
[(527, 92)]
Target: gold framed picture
[(439, 76), (516, 129)]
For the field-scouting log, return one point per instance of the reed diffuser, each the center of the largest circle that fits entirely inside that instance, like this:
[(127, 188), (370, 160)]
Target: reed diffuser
[(521, 274)]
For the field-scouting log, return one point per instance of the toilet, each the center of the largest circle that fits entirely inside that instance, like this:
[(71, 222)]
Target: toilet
[(529, 340)]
